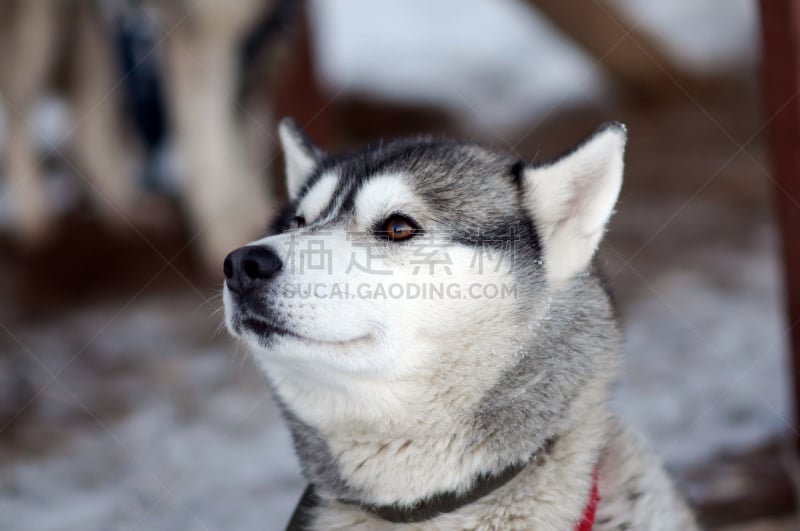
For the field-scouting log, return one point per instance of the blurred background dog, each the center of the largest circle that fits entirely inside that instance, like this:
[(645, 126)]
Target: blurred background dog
[(131, 75)]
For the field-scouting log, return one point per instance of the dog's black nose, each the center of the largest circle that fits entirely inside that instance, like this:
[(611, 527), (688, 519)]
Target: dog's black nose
[(249, 265)]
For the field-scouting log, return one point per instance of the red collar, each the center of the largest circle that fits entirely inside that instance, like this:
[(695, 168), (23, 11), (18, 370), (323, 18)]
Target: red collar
[(587, 520)]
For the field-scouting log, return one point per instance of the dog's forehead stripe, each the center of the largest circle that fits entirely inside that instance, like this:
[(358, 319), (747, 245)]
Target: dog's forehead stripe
[(381, 195), (319, 196)]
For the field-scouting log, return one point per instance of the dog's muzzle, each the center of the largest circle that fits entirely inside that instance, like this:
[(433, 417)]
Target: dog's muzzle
[(250, 267)]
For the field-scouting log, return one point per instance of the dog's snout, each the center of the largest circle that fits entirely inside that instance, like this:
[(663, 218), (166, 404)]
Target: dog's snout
[(249, 265)]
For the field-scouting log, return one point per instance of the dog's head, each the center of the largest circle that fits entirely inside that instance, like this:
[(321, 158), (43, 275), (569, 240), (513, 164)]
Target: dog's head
[(415, 258)]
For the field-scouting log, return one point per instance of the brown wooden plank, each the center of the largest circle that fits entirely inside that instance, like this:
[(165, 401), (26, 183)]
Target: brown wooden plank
[(780, 21), (630, 55)]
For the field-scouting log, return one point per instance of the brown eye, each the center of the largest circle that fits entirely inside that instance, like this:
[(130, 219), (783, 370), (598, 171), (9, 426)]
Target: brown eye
[(398, 228)]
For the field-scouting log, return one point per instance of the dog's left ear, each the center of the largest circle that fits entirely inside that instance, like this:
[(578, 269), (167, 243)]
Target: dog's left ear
[(572, 198), (301, 156)]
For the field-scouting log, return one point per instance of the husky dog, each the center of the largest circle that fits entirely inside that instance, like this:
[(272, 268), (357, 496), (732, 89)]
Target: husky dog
[(431, 323)]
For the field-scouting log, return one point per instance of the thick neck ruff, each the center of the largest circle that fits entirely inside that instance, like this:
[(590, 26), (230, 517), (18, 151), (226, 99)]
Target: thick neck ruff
[(447, 502)]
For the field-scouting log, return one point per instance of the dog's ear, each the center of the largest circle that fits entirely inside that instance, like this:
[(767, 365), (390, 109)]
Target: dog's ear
[(572, 198), (300, 154)]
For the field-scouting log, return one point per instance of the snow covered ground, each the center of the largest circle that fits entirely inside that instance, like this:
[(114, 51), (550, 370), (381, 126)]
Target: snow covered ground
[(705, 366), (157, 424)]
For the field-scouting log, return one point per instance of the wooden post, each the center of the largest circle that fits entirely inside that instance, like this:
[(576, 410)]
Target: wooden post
[(780, 22)]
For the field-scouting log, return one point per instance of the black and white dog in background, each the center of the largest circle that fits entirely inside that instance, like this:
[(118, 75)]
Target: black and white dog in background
[(429, 318), (193, 69)]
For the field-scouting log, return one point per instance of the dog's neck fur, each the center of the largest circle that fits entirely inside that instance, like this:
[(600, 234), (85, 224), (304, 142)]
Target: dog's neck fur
[(551, 491), (400, 459)]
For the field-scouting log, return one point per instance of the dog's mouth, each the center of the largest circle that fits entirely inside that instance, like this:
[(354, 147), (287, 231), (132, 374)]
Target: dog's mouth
[(267, 332), (264, 329), (251, 317)]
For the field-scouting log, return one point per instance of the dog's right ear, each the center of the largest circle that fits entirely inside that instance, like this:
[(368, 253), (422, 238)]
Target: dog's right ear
[(300, 154)]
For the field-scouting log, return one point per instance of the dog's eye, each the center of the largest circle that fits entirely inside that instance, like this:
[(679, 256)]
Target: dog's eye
[(299, 222), (397, 228)]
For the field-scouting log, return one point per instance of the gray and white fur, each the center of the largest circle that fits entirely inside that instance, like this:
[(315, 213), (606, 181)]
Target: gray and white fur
[(396, 399)]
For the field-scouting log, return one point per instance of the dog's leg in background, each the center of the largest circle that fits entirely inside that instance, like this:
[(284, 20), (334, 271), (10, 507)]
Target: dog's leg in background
[(227, 201), (28, 37), (96, 97)]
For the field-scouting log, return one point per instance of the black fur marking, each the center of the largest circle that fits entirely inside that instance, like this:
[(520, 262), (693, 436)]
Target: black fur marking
[(471, 210), (517, 172), (301, 517), (634, 496)]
